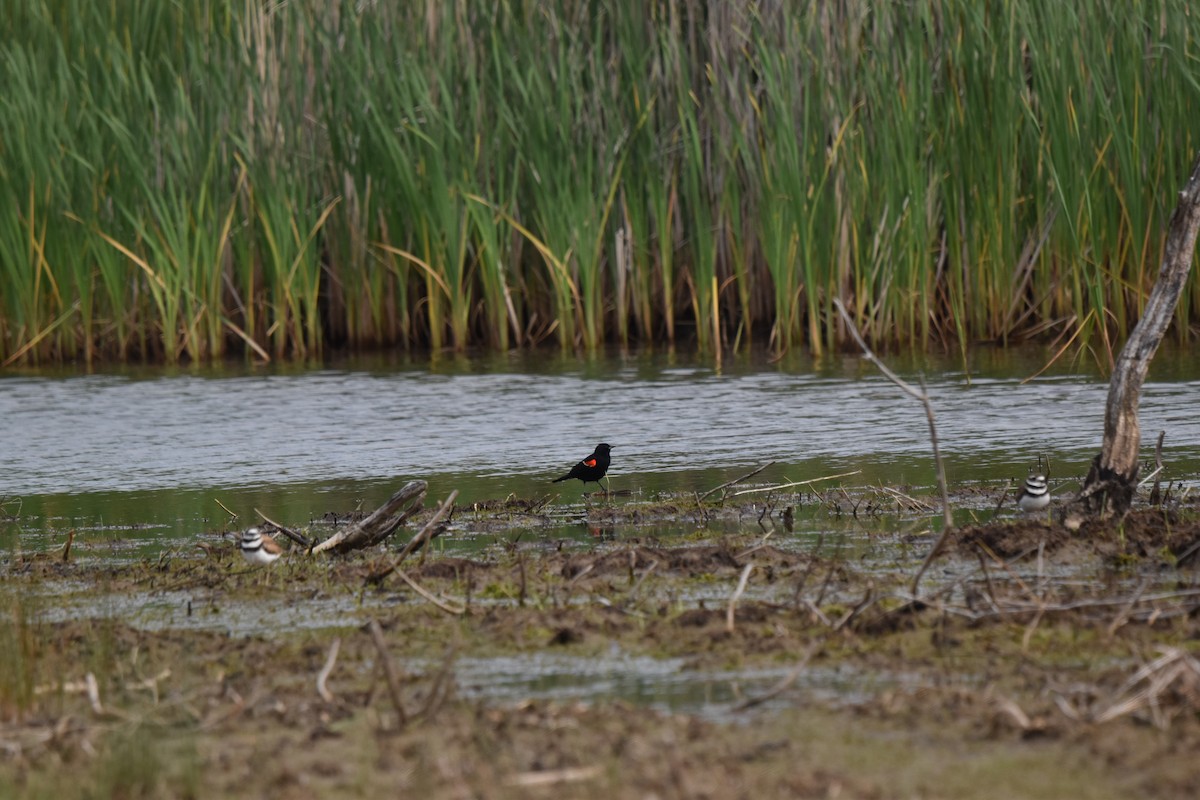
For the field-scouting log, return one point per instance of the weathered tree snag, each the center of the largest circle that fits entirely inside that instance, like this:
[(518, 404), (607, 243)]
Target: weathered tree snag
[(1113, 476), (379, 524)]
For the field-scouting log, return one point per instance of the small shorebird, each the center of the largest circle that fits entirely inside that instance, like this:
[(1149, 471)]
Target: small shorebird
[(258, 548), (592, 468), (1035, 495)]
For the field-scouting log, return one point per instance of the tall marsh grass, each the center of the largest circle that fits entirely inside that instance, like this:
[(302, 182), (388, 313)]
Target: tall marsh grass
[(191, 180)]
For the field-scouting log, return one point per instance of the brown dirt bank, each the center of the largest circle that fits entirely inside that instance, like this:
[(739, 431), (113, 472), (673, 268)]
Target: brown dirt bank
[(1148, 533)]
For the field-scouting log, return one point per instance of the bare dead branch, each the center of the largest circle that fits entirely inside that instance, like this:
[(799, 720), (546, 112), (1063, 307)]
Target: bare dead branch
[(785, 682), (295, 536), (323, 675), (727, 484), (790, 484), (389, 670), (377, 525), (428, 595), (741, 587), (923, 397), (553, 777), (1156, 492), (867, 598)]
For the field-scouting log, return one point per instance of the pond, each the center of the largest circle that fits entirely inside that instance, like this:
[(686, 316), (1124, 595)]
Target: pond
[(152, 451)]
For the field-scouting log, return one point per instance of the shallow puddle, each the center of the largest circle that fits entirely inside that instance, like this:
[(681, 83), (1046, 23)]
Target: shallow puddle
[(665, 684)]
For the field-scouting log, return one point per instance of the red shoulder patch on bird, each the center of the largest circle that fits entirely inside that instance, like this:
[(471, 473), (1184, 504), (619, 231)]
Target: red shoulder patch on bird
[(591, 462)]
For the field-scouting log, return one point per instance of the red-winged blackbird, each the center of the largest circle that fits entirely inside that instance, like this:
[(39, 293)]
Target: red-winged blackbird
[(592, 468)]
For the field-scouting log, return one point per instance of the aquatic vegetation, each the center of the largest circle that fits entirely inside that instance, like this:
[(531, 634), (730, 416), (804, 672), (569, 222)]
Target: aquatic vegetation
[(187, 181)]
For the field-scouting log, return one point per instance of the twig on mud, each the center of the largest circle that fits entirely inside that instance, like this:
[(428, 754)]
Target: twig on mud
[(522, 593), (93, 695), (1041, 569), (749, 551), (389, 671), (868, 597), (912, 603), (922, 396), (438, 691), (1031, 627), (1186, 554), (151, 684), (768, 507), (642, 579), (1122, 616), (784, 683), (91, 688), (790, 484), (808, 568), (1156, 492), (727, 484), (1004, 565), (419, 540), (913, 503), (225, 508), (1012, 607), (1173, 665), (550, 777), (816, 611), (1000, 502), (540, 504), (579, 575), (239, 706), (428, 595), (825, 584), (987, 581), (323, 675), (288, 532), (854, 504), (1077, 605), (1153, 475), (741, 587), (1068, 710), (1016, 714)]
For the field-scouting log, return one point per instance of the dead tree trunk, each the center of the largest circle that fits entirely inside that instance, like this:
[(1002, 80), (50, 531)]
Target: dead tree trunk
[(1113, 476)]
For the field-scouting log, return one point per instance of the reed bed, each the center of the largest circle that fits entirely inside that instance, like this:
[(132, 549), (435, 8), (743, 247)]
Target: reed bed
[(195, 180)]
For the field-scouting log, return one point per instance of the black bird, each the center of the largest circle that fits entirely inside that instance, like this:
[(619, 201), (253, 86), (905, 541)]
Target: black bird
[(592, 468)]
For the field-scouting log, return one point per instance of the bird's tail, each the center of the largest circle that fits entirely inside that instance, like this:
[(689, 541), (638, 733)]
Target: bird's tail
[(563, 478)]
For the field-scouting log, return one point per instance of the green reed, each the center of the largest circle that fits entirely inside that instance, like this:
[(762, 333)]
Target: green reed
[(179, 181)]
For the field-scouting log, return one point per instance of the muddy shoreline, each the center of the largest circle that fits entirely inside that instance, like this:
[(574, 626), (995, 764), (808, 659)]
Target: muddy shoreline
[(1035, 662)]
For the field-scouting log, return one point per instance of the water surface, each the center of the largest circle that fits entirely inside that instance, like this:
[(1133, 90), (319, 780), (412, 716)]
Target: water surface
[(152, 451)]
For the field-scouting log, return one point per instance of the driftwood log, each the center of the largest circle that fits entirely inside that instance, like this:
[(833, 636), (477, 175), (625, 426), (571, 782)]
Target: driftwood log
[(379, 524), (1113, 476)]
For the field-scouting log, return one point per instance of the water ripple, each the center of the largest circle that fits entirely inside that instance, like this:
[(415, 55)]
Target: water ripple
[(103, 433)]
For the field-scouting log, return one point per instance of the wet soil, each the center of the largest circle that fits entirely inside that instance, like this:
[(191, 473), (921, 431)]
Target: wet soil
[(1035, 661)]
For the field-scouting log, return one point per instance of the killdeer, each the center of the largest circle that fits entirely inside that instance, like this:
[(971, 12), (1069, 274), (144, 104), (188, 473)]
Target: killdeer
[(258, 548), (1035, 495)]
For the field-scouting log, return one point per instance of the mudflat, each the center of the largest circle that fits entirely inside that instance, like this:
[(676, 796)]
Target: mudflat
[(1035, 660)]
